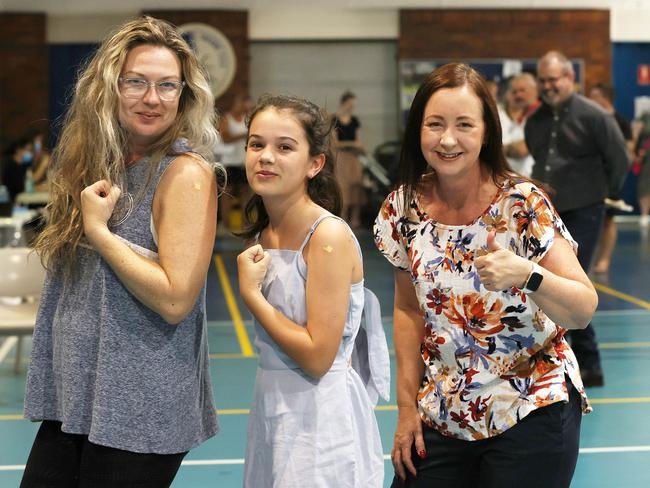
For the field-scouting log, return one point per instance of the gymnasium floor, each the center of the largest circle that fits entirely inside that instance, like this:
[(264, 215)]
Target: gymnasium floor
[(615, 443)]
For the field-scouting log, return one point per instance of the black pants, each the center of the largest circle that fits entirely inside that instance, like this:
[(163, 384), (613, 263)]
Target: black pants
[(60, 460), (541, 451), (585, 225)]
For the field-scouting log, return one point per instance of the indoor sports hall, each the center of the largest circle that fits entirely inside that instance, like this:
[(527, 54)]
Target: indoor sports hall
[(377, 53)]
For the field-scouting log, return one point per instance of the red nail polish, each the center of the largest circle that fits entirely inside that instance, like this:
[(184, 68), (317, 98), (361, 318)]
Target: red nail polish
[(422, 454)]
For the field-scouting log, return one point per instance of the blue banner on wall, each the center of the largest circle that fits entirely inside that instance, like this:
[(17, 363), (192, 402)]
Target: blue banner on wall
[(65, 62)]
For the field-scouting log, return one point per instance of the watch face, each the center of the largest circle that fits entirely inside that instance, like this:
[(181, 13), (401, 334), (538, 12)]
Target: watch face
[(534, 281), (215, 54)]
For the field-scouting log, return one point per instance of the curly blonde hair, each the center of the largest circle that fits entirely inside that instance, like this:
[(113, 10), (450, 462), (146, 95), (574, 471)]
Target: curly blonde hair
[(93, 145)]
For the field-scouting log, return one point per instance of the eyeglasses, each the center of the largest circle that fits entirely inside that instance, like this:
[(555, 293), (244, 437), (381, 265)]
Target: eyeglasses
[(137, 87), (551, 79)]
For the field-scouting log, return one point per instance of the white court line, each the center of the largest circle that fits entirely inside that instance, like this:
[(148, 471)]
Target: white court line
[(231, 462), (211, 462), (601, 450), (6, 347)]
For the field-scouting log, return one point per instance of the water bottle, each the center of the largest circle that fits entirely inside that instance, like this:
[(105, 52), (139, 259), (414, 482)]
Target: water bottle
[(29, 181)]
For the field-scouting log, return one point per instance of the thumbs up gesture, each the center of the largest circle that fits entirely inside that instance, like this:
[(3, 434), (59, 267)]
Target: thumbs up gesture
[(492, 243), (500, 268)]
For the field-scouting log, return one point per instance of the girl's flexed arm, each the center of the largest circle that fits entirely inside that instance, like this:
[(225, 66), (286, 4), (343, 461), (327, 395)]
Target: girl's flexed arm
[(332, 260)]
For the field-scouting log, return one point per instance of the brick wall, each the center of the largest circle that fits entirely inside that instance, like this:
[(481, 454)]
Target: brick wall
[(234, 25), (436, 34), (23, 75)]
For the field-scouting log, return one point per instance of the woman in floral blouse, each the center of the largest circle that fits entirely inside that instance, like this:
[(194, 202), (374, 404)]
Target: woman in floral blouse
[(486, 284)]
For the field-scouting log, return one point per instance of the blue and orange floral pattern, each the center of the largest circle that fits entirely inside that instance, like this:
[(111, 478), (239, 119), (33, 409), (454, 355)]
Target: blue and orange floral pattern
[(490, 358)]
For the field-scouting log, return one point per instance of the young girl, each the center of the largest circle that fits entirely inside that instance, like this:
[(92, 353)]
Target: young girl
[(312, 421)]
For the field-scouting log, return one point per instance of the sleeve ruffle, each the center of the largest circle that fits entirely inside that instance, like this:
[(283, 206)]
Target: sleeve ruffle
[(536, 221), (386, 231)]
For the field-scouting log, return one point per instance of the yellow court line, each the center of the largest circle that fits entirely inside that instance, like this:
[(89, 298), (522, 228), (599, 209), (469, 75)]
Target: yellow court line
[(622, 296), (240, 329), (233, 411), (619, 400), (393, 408), (386, 408)]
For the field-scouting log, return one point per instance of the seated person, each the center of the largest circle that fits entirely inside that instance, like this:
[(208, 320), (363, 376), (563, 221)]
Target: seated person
[(16, 162)]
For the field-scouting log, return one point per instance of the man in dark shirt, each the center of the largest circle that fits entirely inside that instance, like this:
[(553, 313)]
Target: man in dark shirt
[(580, 153)]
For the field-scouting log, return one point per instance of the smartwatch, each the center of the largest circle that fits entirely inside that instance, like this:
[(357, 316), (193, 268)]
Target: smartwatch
[(534, 279)]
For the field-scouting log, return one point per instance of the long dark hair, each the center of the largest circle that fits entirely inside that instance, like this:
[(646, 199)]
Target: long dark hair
[(323, 189), (412, 164)]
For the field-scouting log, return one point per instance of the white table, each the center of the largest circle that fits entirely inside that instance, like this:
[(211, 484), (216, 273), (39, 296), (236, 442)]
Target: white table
[(11, 228), (33, 198)]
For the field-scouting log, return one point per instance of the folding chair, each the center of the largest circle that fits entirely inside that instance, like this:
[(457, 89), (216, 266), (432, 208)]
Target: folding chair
[(21, 282)]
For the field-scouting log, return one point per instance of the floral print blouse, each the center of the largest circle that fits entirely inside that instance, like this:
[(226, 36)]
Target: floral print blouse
[(490, 358)]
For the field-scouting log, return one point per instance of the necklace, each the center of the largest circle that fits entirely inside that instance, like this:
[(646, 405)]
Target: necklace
[(122, 210)]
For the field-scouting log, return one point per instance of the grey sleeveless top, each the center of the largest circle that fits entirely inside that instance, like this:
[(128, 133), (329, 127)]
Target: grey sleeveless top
[(107, 366)]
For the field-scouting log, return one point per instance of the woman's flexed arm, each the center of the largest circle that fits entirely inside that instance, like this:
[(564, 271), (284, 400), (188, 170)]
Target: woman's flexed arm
[(184, 210)]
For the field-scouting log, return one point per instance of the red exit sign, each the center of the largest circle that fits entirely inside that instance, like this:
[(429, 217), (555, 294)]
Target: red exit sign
[(643, 74)]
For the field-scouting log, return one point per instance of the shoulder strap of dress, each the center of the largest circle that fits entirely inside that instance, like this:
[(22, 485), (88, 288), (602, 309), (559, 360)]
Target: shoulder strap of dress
[(312, 229), (318, 221)]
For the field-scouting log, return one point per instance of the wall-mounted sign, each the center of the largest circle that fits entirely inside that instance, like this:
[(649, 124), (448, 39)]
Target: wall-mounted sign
[(214, 52)]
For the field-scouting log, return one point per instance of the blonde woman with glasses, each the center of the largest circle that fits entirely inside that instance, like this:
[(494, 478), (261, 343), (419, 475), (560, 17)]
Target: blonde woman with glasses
[(119, 375)]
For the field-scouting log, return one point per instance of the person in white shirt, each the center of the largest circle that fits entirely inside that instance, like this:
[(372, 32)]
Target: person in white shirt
[(231, 152), (521, 100)]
